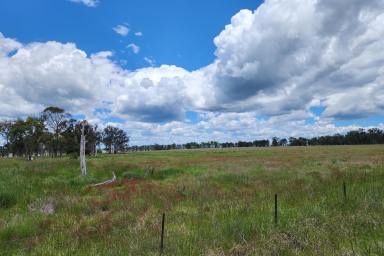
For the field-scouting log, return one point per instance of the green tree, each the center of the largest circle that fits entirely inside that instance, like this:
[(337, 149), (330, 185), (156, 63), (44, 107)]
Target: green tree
[(25, 136), (55, 119), (115, 139)]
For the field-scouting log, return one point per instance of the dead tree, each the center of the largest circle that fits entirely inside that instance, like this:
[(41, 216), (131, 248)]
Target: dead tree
[(83, 165)]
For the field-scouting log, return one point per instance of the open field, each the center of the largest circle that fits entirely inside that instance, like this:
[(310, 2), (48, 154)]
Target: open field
[(217, 202)]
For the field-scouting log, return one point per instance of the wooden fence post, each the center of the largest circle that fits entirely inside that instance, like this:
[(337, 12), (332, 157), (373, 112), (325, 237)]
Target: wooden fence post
[(275, 209), (162, 235)]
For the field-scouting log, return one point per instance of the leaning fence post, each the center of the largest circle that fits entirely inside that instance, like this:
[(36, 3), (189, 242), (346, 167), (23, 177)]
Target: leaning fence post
[(275, 209), (162, 235)]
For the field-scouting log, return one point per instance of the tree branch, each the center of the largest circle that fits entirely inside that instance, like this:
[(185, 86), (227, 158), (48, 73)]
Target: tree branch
[(106, 182)]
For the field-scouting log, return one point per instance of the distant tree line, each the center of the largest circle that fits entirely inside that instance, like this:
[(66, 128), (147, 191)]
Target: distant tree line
[(55, 133), (356, 137)]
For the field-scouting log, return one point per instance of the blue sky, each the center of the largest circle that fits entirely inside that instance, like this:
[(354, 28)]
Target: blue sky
[(178, 32), (181, 70)]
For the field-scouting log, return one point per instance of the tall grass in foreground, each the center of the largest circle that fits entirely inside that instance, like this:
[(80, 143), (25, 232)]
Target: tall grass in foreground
[(217, 202)]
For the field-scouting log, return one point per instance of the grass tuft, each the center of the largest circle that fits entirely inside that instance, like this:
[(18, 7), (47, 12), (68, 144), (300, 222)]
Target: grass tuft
[(7, 200)]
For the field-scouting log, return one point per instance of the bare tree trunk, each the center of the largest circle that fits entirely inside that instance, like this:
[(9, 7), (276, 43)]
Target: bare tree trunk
[(83, 165)]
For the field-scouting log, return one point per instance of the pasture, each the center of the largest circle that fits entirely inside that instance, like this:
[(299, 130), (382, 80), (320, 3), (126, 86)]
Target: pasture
[(217, 202)]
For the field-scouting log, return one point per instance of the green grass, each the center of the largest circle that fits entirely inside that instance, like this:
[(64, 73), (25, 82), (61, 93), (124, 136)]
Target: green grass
[(217, 202)]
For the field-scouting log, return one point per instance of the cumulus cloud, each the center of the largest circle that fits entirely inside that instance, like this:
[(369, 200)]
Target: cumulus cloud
[(291, 52), (89, 3), (37, 75), (122, 30), (139, 34), (277, 62), (153, 95), (7, 45), (51, 73), (134, 48)]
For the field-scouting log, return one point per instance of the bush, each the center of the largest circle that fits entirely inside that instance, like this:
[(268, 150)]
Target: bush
[(7, 200)]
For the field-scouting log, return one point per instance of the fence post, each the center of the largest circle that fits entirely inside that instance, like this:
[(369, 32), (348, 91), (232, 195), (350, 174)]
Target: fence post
[(345, 190), (162, 235), (275, 209)]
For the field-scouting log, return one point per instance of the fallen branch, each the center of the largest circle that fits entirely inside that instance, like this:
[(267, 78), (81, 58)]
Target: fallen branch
[(106, 182)]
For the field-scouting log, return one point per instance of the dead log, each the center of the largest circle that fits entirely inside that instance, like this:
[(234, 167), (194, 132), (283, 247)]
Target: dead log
[(107, 182)]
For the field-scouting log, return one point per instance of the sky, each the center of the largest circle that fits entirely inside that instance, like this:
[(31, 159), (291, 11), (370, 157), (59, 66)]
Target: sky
[(181, 70)]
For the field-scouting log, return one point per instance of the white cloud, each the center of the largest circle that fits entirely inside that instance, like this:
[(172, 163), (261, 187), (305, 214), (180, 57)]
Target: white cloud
[(275, 62), (150, 61), (139, 34), (135, 48), (7, 45), (42, 74), (287, 53), (233, 127), (89, 3), (152, 95), (51, 73), (122, 30)]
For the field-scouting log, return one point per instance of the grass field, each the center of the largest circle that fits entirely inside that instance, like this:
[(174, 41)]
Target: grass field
[(217, 202)]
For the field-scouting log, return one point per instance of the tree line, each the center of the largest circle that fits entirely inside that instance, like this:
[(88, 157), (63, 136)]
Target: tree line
[(355, 137), (55, 133)]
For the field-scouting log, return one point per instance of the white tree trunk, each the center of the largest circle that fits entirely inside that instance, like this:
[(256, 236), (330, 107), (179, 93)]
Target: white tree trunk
[(83, 165)]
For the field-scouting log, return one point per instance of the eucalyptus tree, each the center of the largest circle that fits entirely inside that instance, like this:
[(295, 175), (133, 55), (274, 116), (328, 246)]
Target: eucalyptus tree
[(56, 119), (25, 136), (115, 139)]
